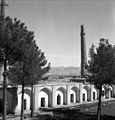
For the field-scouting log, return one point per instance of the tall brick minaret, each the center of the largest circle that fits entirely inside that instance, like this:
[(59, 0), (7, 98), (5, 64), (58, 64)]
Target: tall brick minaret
[(4, 5), (83, 52)]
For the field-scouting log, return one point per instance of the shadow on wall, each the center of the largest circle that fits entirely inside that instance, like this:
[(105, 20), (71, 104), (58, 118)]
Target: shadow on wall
[(11, 100)]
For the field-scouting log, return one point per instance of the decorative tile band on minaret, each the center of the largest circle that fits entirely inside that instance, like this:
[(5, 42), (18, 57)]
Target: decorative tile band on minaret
[(4, 5), (83, 52)]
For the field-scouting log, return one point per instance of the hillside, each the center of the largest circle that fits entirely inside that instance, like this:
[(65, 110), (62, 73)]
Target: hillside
[(58, 74), (64, 71)]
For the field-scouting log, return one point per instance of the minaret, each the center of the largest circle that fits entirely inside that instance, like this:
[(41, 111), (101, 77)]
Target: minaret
[(4, 5), (83, 52)]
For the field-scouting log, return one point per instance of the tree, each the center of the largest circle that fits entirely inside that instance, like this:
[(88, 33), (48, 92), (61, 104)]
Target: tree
[(19, 73), (9, 33), (3, 59), (30, 69), (39, 68), (100, 67), (14, 42)]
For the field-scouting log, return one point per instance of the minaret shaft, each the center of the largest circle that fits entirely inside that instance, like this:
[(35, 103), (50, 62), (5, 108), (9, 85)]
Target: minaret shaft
[(4, 5), (83, 52)]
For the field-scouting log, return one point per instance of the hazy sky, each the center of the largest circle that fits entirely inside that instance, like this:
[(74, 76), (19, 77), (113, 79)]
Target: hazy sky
[(56, 24)]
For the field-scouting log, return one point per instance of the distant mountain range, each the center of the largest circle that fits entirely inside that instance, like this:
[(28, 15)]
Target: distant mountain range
[(64, 71)]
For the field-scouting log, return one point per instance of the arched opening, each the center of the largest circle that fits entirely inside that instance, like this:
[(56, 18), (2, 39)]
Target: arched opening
[(94, 94), (110, 92), (43, 102), (27, 98), (103, 93), (87, 88), (84, 95), (58, 99), (45, 98), (74, 94), (61, 96)]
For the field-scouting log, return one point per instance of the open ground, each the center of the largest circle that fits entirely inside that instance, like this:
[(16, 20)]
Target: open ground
[(79, 112)]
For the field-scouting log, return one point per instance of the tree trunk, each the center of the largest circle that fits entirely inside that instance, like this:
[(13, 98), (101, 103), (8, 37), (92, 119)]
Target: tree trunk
[(99, 104), (31, 101), (22, 103), (4, 91)]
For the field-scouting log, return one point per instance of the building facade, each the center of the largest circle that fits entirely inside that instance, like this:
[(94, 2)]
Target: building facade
[(62, 94)]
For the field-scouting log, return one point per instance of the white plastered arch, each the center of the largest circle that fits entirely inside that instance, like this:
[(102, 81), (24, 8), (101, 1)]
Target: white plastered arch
[(27, 97), (42, 95), (110, 91)]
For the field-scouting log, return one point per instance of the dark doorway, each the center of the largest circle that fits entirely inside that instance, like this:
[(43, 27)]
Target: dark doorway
[(71, 97), (83, 96), (25, 101), (111, 92), (103, 92), (1, 105), (58, 99), (43, 102), (93, 95)]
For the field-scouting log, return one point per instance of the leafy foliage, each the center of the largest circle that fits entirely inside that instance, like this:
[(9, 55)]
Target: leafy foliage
[(29, 71), (101, 64), (22, 52), (19, 52)]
